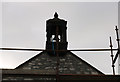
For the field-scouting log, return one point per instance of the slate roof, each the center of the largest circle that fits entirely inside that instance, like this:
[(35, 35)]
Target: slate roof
[(69, 64)]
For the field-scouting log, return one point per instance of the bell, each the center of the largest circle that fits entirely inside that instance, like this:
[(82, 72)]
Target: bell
[(54, 38)]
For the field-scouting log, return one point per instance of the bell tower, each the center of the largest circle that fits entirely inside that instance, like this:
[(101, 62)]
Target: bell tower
[(56, 34)]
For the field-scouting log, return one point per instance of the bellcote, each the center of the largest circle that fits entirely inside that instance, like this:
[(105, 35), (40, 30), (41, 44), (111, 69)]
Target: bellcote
[(51, 26)]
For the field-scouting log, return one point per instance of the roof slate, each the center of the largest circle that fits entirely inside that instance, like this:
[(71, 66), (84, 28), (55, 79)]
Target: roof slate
[(69, 64)]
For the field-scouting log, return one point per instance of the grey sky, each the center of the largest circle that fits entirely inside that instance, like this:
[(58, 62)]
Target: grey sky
[(89, 26)]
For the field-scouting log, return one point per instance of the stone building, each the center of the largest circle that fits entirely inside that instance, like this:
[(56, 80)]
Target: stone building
[(56, 62)]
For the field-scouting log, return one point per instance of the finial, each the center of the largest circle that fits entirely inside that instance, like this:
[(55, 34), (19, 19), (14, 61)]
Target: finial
[(55, 15)]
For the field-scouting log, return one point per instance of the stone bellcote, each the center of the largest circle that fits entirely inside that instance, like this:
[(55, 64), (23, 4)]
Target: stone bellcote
[(51, 26)]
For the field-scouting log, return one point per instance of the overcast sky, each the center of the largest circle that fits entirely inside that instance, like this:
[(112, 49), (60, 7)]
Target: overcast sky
[(90, 24)]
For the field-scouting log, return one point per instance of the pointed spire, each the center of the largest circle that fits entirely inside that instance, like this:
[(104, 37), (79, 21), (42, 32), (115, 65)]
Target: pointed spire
[(55, 15)]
